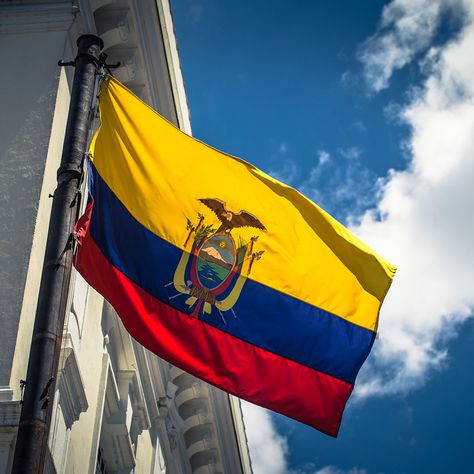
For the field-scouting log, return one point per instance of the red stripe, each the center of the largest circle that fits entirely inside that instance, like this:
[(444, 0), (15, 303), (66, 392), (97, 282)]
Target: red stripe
[(236, 366)]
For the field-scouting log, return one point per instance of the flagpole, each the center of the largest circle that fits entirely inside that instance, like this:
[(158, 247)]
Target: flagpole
[(33, 430)]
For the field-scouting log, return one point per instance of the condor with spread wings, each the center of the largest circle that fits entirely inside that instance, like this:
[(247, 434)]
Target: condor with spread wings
[(229, 219)]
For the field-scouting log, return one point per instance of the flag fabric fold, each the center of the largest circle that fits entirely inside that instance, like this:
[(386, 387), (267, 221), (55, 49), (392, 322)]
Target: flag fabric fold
[(224, 271)]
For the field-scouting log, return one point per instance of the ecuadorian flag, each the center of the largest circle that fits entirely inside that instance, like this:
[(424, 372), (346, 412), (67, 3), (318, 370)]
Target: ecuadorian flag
[(224, 271)]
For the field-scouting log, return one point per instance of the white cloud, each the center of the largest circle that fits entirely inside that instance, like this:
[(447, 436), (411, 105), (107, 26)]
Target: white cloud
[(324, 157), (337, 185), (350, 153), (423, 221), (406, 29), (359, 126), (335, 470), (268, 449), (349, 79), (340, 185), (287, 172)]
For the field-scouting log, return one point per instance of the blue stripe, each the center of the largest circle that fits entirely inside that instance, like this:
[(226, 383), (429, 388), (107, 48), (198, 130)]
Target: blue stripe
[(264, 317)]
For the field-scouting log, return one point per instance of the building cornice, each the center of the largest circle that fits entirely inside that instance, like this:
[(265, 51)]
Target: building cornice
[(36, 17)]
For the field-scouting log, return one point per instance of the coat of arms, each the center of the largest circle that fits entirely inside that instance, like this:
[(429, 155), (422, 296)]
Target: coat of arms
[(213, 271)]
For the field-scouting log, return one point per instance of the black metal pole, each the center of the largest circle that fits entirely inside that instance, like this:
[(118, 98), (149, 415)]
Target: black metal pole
[(33, 430)]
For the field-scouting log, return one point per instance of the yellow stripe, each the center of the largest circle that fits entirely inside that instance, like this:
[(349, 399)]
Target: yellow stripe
[(159, 173)]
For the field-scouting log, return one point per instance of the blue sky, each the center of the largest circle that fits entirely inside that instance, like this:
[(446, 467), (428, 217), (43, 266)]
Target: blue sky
[(367, 108)]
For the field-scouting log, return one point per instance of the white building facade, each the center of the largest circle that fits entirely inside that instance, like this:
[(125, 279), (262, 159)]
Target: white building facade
[(117, 407)]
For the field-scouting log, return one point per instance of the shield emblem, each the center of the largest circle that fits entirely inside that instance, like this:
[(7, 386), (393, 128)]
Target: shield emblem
[(216, 258)]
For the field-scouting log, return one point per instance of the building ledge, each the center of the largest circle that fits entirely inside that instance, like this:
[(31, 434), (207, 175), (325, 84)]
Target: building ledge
[(10, 414)]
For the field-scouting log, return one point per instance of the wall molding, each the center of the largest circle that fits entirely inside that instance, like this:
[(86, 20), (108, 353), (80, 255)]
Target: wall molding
[(72, 396), (36, 17)]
